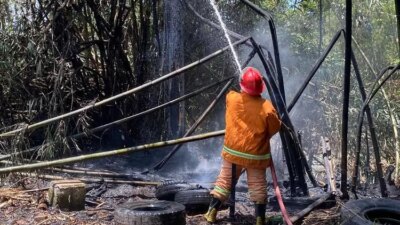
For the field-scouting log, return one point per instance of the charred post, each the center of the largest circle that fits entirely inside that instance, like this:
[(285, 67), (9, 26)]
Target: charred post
[(374, 138), (346, 95)]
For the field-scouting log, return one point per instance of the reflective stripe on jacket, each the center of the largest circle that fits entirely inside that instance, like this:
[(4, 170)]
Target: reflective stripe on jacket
[(250, 123)]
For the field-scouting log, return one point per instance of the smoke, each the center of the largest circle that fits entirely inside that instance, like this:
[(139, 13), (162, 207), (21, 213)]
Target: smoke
[(200, 161), (308, 115)]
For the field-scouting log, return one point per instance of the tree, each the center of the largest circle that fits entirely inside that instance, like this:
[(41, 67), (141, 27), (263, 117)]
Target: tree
[(173, 58)]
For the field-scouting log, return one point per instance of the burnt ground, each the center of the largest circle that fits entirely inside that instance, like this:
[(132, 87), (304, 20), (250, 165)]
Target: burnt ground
[(23, 202)]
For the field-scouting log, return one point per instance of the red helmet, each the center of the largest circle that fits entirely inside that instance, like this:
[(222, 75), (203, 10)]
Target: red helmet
[(251, 81)]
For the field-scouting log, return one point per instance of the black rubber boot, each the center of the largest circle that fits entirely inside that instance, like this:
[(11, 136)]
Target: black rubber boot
[(211, 215), (260, 213)]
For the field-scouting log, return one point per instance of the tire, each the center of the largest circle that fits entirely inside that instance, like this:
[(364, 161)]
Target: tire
[(194, 200), (150, 212), (371, 211), (168, 189)]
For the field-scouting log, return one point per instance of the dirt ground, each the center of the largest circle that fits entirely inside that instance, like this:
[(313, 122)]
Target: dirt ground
[(24, 203)]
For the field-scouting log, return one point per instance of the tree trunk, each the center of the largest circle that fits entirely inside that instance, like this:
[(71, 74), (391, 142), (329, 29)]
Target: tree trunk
[(173, 59)]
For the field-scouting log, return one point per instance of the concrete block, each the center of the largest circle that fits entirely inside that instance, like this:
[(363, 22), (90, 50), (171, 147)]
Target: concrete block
[(68, 195)]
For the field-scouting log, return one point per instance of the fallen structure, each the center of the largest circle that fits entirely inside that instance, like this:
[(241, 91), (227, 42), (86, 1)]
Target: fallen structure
[(297, 165)]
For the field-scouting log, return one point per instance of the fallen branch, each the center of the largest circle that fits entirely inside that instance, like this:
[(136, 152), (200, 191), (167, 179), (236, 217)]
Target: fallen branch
[(309, 208)]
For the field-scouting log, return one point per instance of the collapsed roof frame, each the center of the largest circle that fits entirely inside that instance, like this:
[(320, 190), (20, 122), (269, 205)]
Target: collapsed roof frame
[(34, 126)]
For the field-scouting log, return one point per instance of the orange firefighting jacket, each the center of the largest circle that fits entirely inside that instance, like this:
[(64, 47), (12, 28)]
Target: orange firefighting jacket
[(250, 123)]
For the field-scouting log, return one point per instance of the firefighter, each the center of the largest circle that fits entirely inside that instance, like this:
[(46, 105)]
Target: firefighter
[(250, 123)]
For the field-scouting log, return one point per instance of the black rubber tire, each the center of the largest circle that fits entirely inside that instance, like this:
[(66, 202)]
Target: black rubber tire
[(168, 189), (152, 212), (356, 212), (194, 200)]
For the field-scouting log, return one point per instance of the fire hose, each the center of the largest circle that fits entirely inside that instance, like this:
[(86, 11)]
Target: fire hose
[(276, 189), (279, 195)]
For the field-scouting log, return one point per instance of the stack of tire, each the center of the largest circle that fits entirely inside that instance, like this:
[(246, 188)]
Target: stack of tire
[(195, 198), (175, 199)]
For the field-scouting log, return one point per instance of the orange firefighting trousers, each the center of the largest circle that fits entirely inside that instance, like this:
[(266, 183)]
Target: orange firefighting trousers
[(256, 181)]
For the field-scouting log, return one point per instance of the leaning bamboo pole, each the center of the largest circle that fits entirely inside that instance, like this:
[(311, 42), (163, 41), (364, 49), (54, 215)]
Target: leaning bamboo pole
[(391, 112), (213, 103), (105, 126), (58, 162), (379, 82), (292, 140), (161, 163), (123, 94), (126, 119), (374, 137), (218, 27), (274, 38), (346, 97)]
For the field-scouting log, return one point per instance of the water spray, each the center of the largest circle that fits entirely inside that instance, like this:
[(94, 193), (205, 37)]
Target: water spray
[(214, 5)]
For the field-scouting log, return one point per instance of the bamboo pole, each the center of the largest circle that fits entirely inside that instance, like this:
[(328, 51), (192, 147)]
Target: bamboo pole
[(392, 116), (346, 97), (279, 102), (375, 88), (367, 163), (94, 173), (81, 172), (274, 95), (160, 164), (105, 126), (274, 38), (177, 100), (305, 211), (216, 26), (7, 156), (231, 33), (84, 169), (374, 138), (123, 94), (80, 158), (313, 71), (93, 180), (86, 172)]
